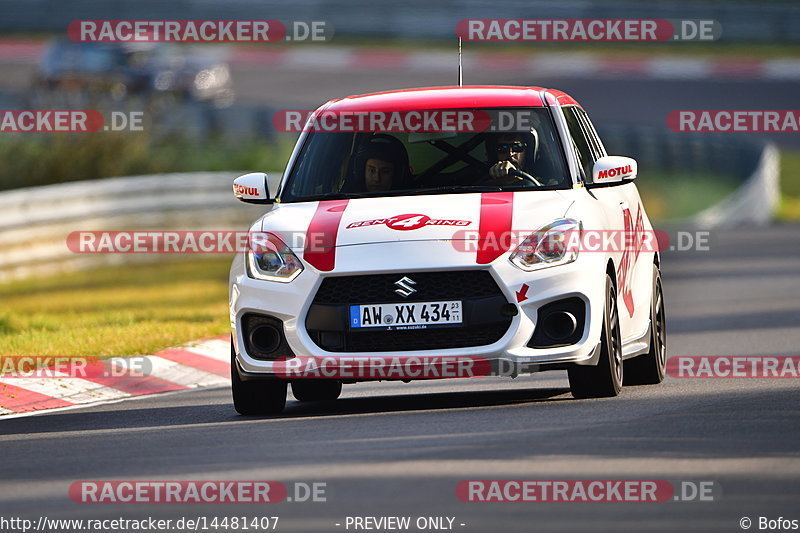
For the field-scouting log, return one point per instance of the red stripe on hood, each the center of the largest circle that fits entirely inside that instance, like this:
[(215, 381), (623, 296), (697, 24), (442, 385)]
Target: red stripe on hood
[(494, 229), (320, 249)]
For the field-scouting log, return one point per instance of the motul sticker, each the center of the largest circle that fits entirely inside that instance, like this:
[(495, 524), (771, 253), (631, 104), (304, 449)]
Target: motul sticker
[(241, 189), (614, 172)]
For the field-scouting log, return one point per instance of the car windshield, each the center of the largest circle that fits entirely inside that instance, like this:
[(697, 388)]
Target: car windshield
[(494, 157)]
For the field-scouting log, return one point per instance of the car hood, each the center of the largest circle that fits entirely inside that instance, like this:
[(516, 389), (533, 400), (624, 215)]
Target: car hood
[(316, 229)]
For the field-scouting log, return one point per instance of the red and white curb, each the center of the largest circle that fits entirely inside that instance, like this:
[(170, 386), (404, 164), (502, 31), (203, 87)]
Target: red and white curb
[(19, 50), (538, 64), (200, 364)]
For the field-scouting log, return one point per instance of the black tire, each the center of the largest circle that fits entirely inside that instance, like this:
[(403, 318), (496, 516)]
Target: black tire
[(316, 390), (605, 379), (650, 368), (257, 397)]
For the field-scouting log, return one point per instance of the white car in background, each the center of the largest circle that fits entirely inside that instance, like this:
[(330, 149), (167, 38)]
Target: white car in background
[(449, 261)]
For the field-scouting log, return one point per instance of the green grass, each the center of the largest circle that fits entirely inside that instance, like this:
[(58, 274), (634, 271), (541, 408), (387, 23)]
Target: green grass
[(669, 196), (790, 172), (131, 310), (789, 208), (32, 160)]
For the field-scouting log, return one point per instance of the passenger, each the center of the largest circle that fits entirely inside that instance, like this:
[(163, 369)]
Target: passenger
[(379, 174), (379, 166)]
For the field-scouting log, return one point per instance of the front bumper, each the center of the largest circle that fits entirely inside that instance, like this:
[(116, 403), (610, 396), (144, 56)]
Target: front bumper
[(509, 355)]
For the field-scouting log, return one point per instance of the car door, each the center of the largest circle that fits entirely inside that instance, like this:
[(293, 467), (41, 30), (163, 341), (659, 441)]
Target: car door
[(623, 212)]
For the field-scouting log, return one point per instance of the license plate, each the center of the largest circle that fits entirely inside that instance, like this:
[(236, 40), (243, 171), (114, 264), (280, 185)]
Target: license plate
[(416, 315)]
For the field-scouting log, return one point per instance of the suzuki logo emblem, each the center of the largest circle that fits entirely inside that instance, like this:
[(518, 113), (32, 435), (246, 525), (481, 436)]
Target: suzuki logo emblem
[(404, 286)]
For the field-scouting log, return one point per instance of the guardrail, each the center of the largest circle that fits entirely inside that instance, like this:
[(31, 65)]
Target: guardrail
[(35, 222)]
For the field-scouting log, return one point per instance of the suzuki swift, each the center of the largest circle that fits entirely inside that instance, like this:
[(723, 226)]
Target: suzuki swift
[(445, 232)]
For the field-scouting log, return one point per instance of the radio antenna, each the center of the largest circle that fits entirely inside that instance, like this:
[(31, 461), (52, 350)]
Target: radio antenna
[(460, 81)]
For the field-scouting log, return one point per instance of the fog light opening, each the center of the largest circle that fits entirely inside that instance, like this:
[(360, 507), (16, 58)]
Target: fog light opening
[(560, 325), (265, 338)]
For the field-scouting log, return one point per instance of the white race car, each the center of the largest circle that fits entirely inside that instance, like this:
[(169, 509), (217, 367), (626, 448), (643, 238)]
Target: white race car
[(446, 232)]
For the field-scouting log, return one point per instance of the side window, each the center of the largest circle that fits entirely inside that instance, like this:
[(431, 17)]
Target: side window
[(597, 146), (584, 149)]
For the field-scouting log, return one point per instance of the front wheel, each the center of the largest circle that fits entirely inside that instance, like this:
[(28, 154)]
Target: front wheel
[(650, 368), (257, 397), (605, 379)]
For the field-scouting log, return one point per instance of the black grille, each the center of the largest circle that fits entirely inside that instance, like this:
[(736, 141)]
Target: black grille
[(430, 286), (486, 317), (424, 339)]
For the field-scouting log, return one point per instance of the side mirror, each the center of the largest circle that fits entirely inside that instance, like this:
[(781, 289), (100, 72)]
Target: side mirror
[(252, 188), (614, 169)]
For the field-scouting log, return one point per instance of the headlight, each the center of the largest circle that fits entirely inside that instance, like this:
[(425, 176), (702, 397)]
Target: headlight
[(270, 259), (554, 244)]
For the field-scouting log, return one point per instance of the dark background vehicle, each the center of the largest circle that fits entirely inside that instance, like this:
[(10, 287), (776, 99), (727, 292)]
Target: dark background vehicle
[(119, 70)]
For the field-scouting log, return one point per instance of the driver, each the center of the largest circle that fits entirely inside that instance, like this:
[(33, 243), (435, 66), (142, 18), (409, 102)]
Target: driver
[(510, 151)]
